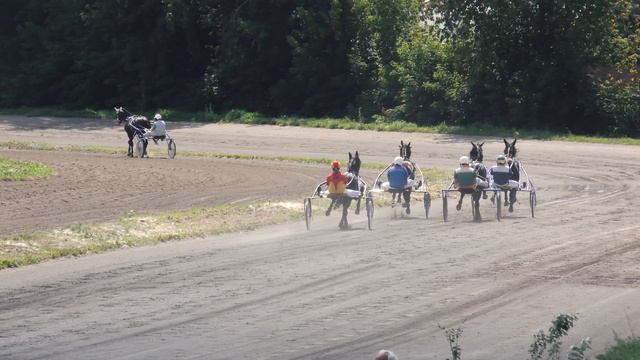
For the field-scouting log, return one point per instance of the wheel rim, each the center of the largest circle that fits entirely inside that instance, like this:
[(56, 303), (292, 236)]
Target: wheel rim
[(532, 203), (427, 204), (307, 213), (369, 213), (139, 147), (444, 208), (171, 149), (499, 206)]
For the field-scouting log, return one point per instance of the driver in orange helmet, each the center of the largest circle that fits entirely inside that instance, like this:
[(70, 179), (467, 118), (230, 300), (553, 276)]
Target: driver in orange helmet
[(336, 181)]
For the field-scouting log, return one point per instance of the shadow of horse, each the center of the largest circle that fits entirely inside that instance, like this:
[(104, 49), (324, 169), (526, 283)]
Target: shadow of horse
[(353, 183), (134, 125)]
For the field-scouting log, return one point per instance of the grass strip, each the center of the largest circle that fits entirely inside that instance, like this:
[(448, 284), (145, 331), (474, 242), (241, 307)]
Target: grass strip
[(430, 173), (151, 228), (17, 170), (381, 124), (141, 229)]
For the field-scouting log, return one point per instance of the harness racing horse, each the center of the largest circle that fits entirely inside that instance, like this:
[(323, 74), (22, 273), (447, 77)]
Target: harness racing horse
[(353, 176), (510, 151), (475, 156), (134, 124), (405, 153)]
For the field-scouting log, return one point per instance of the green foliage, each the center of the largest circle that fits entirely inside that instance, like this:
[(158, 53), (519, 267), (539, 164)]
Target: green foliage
[(432, 90), (564, 65), (453, 337), (15, 170), (620, 99), (624, 349), (93, 53), (578, 352), (543, 344), (549, 344)]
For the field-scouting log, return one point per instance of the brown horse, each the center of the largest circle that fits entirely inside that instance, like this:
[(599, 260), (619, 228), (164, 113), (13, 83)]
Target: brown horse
[(405, 153), (134, 125), (511, 151), (353, 183)]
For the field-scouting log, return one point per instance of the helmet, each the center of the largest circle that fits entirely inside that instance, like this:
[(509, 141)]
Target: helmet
[(157, 117), (464, 160), (398, 160), (501, 159), (335, 164)]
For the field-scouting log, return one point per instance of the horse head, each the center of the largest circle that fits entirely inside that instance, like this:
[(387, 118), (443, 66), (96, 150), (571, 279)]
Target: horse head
[(476, 152), (353, 166), (405, 150), (510, 149), (121, 114)]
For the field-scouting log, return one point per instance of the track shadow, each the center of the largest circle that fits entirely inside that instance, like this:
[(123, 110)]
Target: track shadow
[(33, 123)]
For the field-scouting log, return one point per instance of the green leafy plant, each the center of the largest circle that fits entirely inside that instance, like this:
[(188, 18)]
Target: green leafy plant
[(453, 337), (549, 344), (624, 349)]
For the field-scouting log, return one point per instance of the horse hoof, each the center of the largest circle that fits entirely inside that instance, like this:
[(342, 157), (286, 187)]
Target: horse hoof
[(327, 213), (510, 207), (458, 207), (357, 211), (408, 211)]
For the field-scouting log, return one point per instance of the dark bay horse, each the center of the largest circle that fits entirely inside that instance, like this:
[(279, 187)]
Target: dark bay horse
[(410, 165), (476, 156), (133, 124), (510, 151), (353, 183)]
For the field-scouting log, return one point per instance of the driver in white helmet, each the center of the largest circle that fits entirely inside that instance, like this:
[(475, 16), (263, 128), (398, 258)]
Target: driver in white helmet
[(465, 177), (158, 130), (399, 180)]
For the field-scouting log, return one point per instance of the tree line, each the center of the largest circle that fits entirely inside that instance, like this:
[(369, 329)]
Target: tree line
[(554, 64)]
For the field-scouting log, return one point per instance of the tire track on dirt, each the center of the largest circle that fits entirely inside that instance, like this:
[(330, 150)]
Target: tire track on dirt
[(305, 289), (518, 289)]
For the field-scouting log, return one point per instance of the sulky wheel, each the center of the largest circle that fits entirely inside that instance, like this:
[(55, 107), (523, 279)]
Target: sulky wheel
[(307, 213), (532, 202), (138, 147), (171, 148), (445, 210), (369, 206), (427, 204)]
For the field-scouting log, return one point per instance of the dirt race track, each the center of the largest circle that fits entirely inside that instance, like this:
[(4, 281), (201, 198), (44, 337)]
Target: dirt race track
[(285, 293)]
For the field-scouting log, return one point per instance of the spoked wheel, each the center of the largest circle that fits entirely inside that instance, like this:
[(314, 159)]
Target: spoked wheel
[(307, 213), (532, 202), (445, 210), (427, 204), (138, 147), (473, 208), (171, 148), (498, 206), (369, 206)]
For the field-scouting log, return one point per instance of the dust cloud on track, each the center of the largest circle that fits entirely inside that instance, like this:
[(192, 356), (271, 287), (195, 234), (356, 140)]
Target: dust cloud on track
[(285, 293)]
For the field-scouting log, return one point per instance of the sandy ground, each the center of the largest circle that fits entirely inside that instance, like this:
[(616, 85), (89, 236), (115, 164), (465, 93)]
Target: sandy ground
[(285, 293), (90, 187)]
